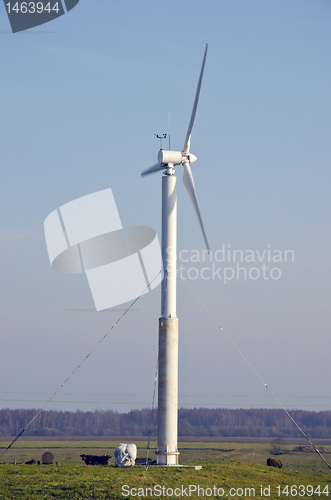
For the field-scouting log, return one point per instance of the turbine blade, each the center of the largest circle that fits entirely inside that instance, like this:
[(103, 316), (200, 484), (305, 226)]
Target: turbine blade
[(153, 169), (189, 184), (195, 106)]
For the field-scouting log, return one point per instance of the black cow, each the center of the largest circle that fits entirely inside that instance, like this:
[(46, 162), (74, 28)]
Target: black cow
[(30, 462), (274, 462), (95, 459)]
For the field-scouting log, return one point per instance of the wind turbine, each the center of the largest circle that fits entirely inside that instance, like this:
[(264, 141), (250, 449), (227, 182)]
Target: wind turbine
[(167, 452)]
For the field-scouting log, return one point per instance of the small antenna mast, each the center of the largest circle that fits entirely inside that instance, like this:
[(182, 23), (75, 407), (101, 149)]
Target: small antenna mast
[(169, 129), (163, 136)]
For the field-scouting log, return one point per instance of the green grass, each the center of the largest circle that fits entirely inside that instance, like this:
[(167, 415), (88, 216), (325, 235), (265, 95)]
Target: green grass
[(67, 452), (83, 482), (224, 465)]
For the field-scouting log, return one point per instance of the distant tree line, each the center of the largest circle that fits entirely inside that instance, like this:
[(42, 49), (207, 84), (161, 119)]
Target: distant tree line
[(191, 422)]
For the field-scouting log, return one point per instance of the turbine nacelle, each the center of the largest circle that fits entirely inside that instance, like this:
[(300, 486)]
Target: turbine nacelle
[(175, 157)]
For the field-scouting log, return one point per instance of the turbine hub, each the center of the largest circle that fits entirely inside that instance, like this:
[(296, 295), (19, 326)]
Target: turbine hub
[(191, 158)]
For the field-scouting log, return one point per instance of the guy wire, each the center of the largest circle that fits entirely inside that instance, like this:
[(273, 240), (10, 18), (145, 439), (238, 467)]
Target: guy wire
[(80, 364), (249, 364)]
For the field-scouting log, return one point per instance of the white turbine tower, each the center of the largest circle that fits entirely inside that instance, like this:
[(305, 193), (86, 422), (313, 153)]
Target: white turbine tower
[(167, 452)]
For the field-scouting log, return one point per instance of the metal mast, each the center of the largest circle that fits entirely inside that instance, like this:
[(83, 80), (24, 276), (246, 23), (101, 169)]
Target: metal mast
[(167, 453)]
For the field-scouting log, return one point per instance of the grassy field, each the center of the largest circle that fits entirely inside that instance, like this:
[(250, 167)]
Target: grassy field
[(240, 466)]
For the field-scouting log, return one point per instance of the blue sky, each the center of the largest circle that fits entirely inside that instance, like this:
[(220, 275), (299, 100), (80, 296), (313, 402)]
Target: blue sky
[(81, 99)]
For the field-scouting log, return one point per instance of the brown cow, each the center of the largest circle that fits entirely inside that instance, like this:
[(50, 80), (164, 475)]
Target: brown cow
[(86, 458), (274, 462), (48, 458)]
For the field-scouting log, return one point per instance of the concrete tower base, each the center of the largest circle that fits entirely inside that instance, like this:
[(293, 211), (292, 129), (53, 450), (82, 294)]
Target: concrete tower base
[(167, 452)]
